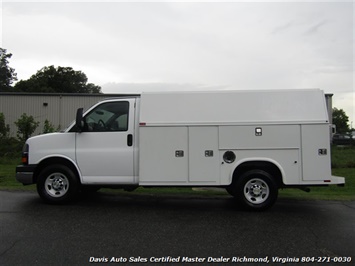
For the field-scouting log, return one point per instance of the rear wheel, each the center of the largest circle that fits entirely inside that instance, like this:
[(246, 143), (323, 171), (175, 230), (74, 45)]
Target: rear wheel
[(57, 184), (256, 190)]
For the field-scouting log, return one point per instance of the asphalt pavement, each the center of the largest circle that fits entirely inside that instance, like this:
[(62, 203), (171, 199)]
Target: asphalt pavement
[(108, 229)]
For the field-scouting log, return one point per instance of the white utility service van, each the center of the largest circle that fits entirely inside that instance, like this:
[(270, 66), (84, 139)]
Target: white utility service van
[(249, 142)]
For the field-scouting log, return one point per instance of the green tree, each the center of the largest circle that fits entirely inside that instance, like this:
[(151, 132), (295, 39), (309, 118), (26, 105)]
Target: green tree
[(7, 74), (57, 80), (4, 128), (48, 127), (340, 120), (26, 125)]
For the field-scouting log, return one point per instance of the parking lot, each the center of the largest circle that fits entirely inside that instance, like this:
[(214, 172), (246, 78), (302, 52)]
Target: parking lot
[(131, 229)]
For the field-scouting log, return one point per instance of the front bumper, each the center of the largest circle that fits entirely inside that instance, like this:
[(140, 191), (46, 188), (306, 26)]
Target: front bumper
[(24, 174)]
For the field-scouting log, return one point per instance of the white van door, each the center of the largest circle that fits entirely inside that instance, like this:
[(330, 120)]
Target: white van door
[(104, 148)]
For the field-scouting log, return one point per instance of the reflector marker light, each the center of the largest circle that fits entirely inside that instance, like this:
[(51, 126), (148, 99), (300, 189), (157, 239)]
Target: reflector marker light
[(24, 160)]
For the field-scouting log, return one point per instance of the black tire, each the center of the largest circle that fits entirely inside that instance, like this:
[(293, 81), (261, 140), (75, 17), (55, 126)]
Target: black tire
[(57, 184), (256, 190)]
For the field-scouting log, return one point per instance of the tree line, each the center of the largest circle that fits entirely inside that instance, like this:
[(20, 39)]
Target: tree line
[(26, 126), (49, 79)]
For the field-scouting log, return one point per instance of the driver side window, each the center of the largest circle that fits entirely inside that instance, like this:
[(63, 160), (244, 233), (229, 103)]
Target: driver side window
[(107, 117)]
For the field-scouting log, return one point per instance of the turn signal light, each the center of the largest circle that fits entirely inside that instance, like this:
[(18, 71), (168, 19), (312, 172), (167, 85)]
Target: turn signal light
[(24, 160)]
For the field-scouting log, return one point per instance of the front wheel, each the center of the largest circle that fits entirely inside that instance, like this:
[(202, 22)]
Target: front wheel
[(57, 184), (256, 190)]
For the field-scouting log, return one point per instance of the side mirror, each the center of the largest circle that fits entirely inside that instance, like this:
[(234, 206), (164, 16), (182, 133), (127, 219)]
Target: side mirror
[(79, 119)]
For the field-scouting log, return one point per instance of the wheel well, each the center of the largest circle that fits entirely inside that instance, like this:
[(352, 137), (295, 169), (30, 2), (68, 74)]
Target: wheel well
[(260, 165), (54, 160)]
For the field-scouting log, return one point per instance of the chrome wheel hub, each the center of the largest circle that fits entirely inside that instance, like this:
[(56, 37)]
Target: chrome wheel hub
[(57, 185), (256, 191)]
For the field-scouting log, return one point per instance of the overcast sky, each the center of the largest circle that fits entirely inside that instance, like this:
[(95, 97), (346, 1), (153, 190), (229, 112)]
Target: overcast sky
[(133, 47)]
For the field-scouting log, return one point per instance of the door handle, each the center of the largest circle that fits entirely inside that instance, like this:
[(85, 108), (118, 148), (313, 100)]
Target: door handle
[(129, 140)]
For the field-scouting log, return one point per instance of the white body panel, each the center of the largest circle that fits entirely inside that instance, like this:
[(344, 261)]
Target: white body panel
[(287, 160), (228, 120), (315, 166), (157, 156), (52, 145), (272, 137), (105, 157), (203, 155), (234, 107), (179, 139), (159, 163)]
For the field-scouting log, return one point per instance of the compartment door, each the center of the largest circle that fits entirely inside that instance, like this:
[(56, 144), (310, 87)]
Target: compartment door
[(316, 152), (203, 155), (163, 158)]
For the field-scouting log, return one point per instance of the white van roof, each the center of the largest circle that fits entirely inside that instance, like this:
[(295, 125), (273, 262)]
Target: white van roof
[(233, 107)]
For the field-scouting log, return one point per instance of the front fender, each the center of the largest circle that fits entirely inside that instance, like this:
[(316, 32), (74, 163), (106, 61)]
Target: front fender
[(57, 159)]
